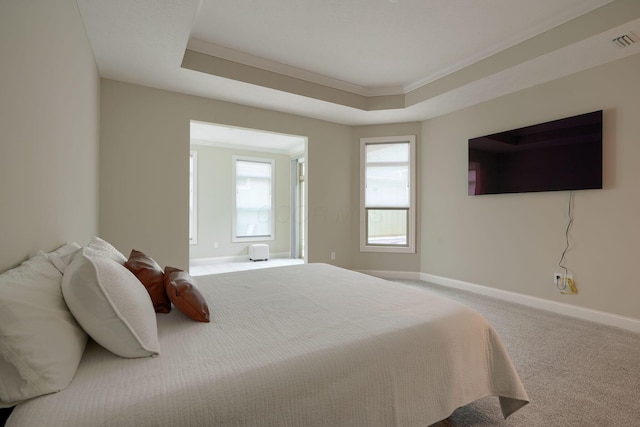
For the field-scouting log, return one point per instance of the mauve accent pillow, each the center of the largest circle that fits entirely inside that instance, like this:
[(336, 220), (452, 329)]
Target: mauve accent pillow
[(184, 294), (152, 277)]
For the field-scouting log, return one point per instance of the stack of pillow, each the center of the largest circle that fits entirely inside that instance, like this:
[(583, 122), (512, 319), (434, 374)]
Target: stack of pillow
[(53, 301)]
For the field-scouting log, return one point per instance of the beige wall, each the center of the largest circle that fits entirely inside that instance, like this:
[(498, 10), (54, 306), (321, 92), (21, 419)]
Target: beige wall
[(144, 170), (54, 111), (215, 180), (377, 260), (514, 242), (49, 129)]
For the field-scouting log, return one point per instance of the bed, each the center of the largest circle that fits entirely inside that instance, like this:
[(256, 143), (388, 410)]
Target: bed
[(305, 345)]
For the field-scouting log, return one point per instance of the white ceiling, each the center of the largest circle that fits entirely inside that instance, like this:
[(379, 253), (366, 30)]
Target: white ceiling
[(379, 44), (214, 135), (354, 61)]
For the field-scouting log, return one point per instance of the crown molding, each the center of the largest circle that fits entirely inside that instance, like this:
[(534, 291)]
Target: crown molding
[(243, 58), (567, 38)]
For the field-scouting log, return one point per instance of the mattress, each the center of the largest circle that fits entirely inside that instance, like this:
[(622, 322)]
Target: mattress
[(305, 345)]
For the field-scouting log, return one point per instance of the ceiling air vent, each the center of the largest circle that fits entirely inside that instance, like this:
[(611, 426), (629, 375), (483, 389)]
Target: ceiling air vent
[(624, 40)]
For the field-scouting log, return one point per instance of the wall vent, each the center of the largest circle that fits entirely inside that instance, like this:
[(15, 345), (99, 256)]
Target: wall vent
[(624, 40)]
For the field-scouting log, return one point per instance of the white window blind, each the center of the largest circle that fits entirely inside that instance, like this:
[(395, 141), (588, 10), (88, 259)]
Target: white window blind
[(387, 212), (253, 190)]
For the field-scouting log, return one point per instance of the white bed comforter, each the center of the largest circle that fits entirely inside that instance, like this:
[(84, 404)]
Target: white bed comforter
[(308, 345)]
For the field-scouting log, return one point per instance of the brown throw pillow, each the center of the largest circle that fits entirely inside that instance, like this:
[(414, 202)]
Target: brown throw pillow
[(150, 274), (184, 294)]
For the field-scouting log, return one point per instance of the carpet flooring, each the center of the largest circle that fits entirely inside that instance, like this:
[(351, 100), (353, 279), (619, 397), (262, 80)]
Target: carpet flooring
[(577, 373)]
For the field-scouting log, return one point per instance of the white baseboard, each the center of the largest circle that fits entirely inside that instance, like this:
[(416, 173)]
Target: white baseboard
[(238, 258), (390, 274), (597, 316)]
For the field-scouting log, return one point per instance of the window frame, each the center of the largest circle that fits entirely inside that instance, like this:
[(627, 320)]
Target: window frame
[(193, 195), (234, 214), (410, 247)]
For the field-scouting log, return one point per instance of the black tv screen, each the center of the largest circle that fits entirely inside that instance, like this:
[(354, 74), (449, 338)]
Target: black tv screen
[(563, 154)]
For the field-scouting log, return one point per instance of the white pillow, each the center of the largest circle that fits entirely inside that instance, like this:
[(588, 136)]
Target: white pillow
[(40, 342), (111, 305), (100, 247), (63, 256)]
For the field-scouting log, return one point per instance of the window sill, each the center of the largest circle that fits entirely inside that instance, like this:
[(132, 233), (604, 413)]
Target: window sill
[(388, 249), (252, 239)]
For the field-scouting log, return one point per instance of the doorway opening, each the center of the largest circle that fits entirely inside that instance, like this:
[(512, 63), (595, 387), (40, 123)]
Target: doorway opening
[(216, 207)]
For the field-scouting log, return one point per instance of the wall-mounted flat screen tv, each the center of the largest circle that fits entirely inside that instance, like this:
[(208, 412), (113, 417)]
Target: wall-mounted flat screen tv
[(563, 154)]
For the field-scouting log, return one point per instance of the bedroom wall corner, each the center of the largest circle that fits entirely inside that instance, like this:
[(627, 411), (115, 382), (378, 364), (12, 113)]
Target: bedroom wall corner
[(513, 242), (144, 170), (49, 129)]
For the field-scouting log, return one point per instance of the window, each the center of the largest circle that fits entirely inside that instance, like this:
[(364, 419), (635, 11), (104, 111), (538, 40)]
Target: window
[(193, 197), (387, 194), (253, 199)]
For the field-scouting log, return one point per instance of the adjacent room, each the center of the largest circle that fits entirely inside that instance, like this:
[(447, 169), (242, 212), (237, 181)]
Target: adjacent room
[(247, 188), (355, 213)]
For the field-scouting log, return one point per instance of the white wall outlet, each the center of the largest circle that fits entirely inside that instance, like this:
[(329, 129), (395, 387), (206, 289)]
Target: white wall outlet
[(215, 245), (333, 255), (564, 283)]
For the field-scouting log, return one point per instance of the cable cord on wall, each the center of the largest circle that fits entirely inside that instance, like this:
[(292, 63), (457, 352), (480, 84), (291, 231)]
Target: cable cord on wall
[(567, 244)]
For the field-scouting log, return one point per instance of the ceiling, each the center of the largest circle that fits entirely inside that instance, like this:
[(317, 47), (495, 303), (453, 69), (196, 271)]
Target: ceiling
[(355, 61), (214, 135)]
